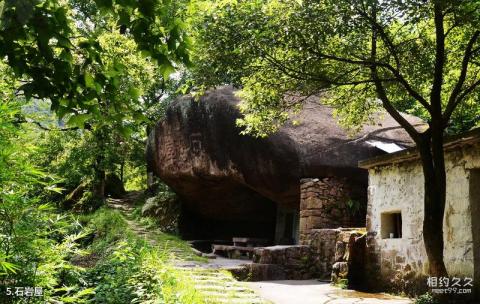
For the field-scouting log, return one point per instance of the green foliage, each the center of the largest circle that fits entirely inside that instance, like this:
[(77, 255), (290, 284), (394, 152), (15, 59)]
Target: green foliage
[(76, 155), (58, 48), (163, 208), (67, 155), (35, 241), (38, 246), (134, 273), (222, 23), (88, 202), (135, 178), (113, 141), (426, 298), (342, 283), (278, 51), (130, 270), (108, 227)]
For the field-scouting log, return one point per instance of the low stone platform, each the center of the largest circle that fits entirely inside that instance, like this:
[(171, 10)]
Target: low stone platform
[(330, 254), (296, 261), (256, 272)]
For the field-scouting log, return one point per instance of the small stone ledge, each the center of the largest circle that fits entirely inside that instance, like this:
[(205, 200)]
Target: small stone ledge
[(297, 261)]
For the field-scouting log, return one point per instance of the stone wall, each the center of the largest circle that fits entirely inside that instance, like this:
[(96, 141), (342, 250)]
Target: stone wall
[(296, 261), (338, 253), (401, 263), (349, 267), (329, 202), (331, 254), (323, 243)]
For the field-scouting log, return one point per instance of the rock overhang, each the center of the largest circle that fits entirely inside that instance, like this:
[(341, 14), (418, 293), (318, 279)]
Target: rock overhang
[(199, 152)]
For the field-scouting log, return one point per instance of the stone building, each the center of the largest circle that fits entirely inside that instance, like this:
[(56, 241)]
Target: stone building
[(282, 188), (395, 248)]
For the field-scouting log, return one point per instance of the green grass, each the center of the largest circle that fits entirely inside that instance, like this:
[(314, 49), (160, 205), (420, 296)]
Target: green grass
[(136, 264), (173, 245), (130, 269), (147, 221), (107, 226)]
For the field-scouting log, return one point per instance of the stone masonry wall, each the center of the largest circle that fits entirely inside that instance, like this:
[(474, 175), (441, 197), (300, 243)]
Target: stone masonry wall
[(338, 253), (327, 203), (296, 260), (329, 254), (323, 242), (401, 263)]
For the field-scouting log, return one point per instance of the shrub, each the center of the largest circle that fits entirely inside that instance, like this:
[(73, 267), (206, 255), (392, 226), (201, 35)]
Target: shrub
[(131, 270), (164, 207), (88, 203), (35, 241), (426, 298)]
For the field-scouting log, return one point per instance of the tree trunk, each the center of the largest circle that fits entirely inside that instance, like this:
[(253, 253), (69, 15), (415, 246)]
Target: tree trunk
[(432, 155), (100, 175), (99, 184)]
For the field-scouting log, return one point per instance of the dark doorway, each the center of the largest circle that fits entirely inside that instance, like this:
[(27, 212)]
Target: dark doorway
[(287, 223), (238, 212)]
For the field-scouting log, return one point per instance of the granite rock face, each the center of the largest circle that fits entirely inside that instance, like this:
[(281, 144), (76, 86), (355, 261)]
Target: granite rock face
[(230, 183)]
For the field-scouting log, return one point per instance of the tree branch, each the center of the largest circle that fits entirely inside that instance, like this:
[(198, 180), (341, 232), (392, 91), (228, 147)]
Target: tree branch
[(449, 111), (388, 66), (299, 75), (380, 30), (436, 92), (393, 51), (21, 120), (382, 94), (469, 90), (452, 101)]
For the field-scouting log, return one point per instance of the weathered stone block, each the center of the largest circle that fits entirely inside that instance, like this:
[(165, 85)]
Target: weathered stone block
[(297, 261), (399, 259), (258, 272), (340, 248)]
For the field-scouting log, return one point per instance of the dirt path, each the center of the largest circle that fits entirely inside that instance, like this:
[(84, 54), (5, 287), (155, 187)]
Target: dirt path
[(315, 292)]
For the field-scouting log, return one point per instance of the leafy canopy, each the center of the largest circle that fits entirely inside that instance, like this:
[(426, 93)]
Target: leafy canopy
[(273, 49), (59, 48)]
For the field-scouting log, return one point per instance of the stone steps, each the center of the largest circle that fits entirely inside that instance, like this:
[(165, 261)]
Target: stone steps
[(218, 286), (223, 288)]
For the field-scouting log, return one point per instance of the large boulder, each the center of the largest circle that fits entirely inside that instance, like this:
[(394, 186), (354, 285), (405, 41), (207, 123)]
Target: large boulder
[(225, 178)]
